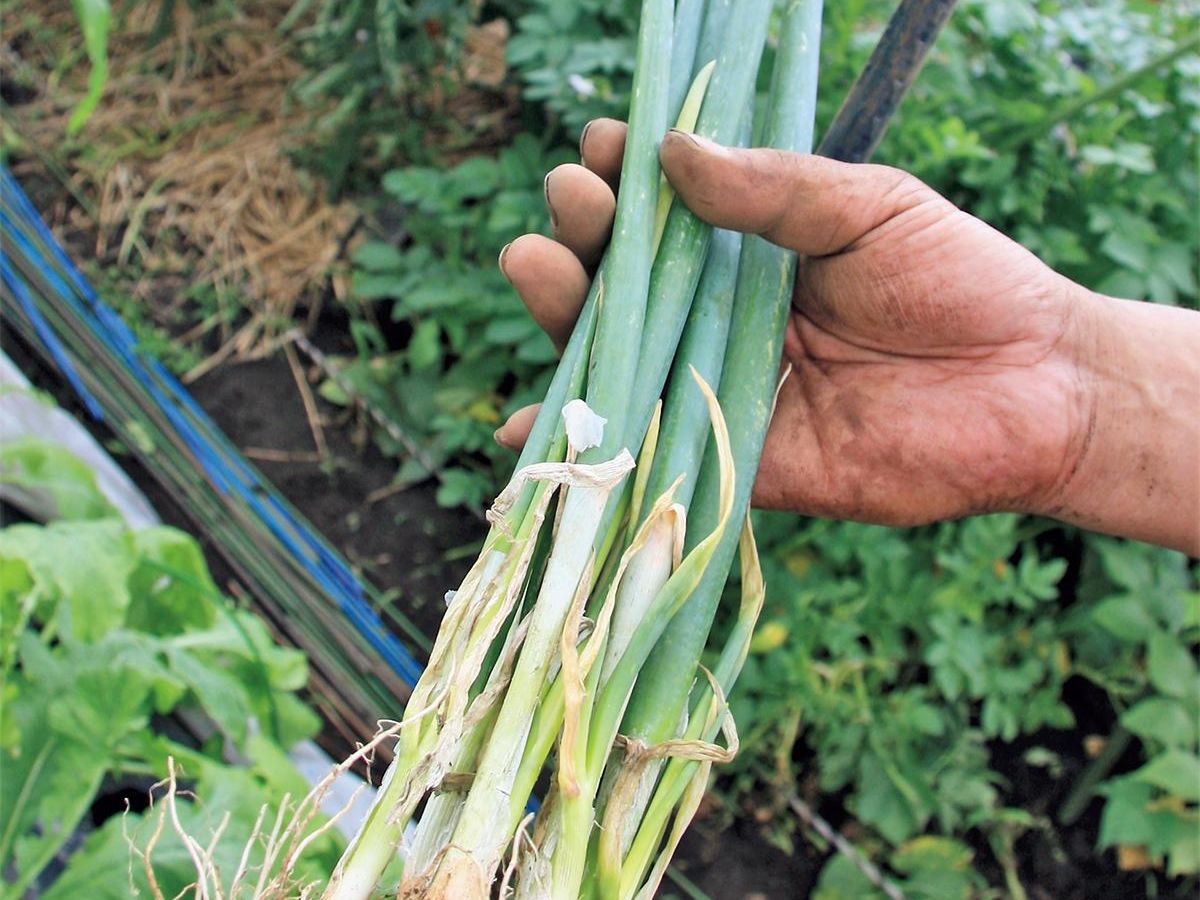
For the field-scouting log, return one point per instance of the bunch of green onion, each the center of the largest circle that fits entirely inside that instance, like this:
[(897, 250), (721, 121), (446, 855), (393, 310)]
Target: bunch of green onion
[(579, 632)]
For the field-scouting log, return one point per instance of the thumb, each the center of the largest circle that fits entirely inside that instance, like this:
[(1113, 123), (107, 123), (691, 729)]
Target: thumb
[(809, 204)]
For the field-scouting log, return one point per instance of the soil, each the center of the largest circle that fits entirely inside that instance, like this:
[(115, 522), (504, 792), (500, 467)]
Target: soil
[(403, 543), (737, 863)]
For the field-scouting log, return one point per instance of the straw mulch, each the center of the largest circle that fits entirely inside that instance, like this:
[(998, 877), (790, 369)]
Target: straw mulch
[(183, 175), (182, 180)]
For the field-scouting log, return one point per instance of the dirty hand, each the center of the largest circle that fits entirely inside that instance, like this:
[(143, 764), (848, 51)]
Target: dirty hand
[(939, 369)]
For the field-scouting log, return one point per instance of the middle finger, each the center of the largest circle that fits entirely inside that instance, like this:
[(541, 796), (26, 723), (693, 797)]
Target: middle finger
[(581, 206)]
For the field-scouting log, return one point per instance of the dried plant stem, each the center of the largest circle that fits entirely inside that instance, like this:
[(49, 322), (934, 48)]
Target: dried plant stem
[(812, 819)]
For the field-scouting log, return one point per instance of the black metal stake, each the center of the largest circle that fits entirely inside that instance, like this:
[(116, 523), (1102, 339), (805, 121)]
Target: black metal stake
[(885, 79)]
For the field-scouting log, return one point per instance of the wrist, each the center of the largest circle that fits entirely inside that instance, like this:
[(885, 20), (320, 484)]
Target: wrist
[(1068, 411), (1132, 465)]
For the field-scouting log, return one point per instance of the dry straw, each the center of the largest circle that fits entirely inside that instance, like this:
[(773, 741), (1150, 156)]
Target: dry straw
[(184, 175)]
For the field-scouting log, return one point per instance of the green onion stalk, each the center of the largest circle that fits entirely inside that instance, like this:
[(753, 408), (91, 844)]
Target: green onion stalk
[(577, 636)]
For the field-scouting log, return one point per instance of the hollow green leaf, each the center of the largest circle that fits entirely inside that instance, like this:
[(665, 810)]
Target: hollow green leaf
[(94, 17)]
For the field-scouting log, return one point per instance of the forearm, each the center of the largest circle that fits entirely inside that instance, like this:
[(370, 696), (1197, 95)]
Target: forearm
[(1137, 470)]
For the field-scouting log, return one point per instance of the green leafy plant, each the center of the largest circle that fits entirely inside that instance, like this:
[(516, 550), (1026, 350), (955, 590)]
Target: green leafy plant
[(576, 59), (1137, 639), (930, 867), (878, 646), (1029, 136), (376, 72), (900, 659), (104, 632), (471, 354)]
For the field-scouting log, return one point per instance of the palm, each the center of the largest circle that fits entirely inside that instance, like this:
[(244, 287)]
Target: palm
[(916, 352), (927, 381)]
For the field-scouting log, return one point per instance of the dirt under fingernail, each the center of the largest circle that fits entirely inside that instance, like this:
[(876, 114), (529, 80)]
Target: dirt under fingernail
[(583, 141), (549, 205)]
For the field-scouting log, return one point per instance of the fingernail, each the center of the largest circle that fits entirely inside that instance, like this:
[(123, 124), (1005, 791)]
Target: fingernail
[(500, 258), (700, 143), (583, 141), (498, 439), (549, 205)]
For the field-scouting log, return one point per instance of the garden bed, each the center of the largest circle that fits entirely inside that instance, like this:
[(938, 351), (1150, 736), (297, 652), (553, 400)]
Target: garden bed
[(326, 459), (413, 549)]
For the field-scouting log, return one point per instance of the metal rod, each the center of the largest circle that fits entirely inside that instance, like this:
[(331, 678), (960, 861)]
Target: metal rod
[(863, 118)]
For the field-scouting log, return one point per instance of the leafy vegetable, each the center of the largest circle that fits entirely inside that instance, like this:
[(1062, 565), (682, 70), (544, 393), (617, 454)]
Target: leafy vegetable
[(105, 631)]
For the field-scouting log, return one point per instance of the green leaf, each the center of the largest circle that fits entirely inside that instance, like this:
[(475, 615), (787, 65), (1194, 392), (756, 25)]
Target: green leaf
[(1128, 564), (333, 392), (1170, 665), (171, 589), (271, 763), (1130, 156), (409, 184), (104, 705), (537, 349), (1125, 617), (17, 602), (1162, 719), (219, 694), (84, 565), (292, 718), (71, 708), (10, 731), (1177, 262), (94, 17), (425, 348), (1183, 857), (61, 481), (48, 789), (1125, 819), (1176, 772), (510, 330), (1190, 617), (474, 177), (370, 286), (842, 880), (377, 256), (938, 868), (142, 654), (1127, 250), (101, 869), (460, 487), (878, 803), (1123, 282), (236, 670)]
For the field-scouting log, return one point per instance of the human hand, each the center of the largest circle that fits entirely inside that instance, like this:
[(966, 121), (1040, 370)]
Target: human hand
[(938, 367)]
